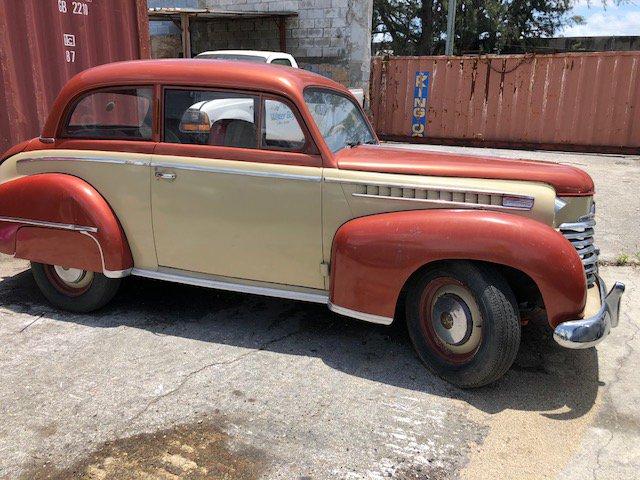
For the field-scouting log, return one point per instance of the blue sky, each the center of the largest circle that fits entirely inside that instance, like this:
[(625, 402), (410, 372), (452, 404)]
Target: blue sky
[(612, 20)]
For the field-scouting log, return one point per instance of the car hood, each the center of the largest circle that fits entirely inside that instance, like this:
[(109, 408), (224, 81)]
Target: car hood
[(566, 180)]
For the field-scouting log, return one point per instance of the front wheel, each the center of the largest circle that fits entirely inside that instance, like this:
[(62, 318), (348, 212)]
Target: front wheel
[(74, 289), (463, 322)]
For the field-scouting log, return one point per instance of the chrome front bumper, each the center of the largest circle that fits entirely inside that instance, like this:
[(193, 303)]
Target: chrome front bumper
[(590, 331)]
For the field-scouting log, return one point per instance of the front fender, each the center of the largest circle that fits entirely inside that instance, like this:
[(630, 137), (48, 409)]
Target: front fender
[(60, 219), (374, 256)]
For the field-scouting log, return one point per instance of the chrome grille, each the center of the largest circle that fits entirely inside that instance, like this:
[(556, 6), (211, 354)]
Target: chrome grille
[(495, 200), (580, 234)]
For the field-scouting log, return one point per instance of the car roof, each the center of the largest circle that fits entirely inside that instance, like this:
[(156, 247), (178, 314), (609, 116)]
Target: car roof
[(289, 82)]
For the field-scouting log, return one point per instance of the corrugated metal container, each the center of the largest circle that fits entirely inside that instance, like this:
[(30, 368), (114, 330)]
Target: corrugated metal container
[(579, 101), (43, 43)]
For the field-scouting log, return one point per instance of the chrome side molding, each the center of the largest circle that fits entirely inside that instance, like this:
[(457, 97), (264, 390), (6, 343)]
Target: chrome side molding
[(232, 286), (367, 317), (237, 171), (41, 223)]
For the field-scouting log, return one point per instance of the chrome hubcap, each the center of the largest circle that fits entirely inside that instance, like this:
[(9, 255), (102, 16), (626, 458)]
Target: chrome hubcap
[(452, 319), (455, 319), (72, 276)]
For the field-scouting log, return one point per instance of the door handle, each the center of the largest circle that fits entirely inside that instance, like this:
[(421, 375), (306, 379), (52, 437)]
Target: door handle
[(165, 175)]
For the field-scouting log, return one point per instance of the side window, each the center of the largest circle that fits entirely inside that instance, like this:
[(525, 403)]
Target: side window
[(119, 113), (280, 127), (281, 61), (210, 118)]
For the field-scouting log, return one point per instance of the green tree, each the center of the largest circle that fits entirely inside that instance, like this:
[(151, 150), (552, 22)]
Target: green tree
[(418, 27)]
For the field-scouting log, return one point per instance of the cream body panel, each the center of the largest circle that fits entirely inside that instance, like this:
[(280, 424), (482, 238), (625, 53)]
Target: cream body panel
[(254, 221), (121, 178)]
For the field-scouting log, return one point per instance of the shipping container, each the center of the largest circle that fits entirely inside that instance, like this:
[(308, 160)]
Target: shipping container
[(43, 43), (572, 101)]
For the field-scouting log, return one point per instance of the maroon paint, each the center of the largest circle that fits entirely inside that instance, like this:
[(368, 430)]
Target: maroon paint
[(374, 256), (58, 247), (59, 198), (567, 180)]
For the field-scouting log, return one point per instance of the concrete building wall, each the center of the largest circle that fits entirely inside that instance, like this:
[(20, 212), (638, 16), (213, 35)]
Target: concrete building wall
[(330, 37)]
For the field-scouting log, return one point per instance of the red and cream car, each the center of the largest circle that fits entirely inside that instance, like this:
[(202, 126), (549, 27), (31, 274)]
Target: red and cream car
[(292, 196)]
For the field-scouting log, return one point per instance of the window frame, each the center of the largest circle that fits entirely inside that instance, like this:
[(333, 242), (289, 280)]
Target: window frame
[(309, 146), (163, 93), (348, 97), (62, 132)]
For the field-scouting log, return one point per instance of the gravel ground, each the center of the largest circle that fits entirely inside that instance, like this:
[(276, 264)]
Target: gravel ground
[(171, 381)]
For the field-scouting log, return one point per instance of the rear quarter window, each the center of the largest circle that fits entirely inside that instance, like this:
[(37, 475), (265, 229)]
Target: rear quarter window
[(119, 113)]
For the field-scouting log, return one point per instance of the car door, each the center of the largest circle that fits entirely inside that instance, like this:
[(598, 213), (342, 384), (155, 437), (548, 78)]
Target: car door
[(236, 188)]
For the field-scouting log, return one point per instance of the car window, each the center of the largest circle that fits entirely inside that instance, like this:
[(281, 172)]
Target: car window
[(339, 119), (280, 127), (210, 118), (281, 61), (123, 113)]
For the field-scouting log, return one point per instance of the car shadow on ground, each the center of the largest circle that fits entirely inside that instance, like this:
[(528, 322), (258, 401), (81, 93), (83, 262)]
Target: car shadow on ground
[(559, 383)]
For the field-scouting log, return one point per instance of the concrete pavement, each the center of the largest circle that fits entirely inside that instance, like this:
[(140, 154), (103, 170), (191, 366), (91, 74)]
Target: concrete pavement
[(171, 381)]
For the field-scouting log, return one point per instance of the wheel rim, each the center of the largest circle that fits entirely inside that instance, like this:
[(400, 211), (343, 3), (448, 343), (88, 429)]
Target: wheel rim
[(69, 281), (450, 320)]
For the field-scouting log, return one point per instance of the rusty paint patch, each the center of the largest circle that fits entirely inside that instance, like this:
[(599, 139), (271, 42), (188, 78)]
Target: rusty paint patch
[(195, 451)]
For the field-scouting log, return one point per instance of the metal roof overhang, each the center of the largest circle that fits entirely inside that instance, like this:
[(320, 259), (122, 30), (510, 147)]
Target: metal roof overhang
[(183, 16), (168, 13)]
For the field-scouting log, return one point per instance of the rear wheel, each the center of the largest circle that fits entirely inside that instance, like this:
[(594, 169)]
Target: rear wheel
[(74, 289), (463, 322)]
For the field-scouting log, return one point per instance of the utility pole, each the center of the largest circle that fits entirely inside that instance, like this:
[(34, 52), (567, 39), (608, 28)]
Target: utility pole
[(451, 26)]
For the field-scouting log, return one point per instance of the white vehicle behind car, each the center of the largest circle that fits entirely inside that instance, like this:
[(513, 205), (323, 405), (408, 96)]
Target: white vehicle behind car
[(263, 56)]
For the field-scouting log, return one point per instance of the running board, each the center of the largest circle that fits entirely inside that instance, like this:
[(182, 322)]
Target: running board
[(232, 285)]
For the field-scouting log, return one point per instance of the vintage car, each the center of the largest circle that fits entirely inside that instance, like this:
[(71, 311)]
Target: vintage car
[(465, 249)]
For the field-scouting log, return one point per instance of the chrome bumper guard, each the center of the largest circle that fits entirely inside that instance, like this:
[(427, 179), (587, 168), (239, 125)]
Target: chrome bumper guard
[(590, 331)]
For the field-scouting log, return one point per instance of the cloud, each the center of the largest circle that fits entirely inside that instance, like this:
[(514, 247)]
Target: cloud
[(606, 23)]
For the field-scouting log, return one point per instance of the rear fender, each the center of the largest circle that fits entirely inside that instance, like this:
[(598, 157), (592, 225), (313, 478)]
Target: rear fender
[(374, 256), (60, 219)]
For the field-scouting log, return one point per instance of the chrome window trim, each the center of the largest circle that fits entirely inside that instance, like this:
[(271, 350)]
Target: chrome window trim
[(367, 317), (232, 286), (443, 202), (40, 223), (238, 171)]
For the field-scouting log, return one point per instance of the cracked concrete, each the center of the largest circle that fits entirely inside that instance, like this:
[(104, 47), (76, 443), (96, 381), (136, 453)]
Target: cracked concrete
[(311, 394)]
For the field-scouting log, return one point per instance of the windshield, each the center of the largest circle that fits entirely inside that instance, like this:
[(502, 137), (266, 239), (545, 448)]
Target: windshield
[(339, 119)]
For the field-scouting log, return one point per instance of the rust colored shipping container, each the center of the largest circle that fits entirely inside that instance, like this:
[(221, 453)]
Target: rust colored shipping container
[(573, 101), (43, 43)]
